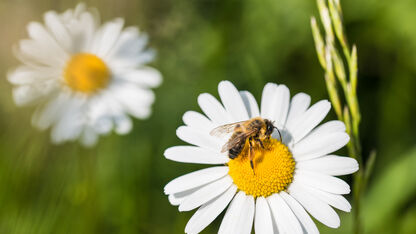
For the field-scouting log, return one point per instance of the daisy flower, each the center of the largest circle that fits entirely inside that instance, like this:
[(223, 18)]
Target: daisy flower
[(291, 178), (85, 78)]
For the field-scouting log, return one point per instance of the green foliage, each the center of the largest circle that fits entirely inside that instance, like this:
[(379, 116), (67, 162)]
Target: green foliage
[(391, 195)]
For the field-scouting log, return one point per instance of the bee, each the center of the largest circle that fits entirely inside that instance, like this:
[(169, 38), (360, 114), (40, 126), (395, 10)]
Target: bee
[(254, 130)]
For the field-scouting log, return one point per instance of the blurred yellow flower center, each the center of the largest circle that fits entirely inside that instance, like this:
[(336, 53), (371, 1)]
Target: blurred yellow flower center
[(273, 169), (86, 73)]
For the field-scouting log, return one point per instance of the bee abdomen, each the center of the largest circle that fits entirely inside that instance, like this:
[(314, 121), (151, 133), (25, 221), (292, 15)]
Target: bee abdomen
[(235, 151)]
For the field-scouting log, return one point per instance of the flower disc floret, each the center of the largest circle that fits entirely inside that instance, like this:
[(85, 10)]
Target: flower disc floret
[(86, 73), (273, 169)]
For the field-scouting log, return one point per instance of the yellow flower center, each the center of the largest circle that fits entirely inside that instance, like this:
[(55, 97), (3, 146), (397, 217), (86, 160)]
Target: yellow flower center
[(86, 73), (273, 169)]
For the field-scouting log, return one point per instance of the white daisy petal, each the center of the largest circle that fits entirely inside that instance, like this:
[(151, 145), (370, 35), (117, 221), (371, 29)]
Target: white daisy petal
[(317, 208), (321, 181), (268, 100), (144, 57), (281, 107), (330, 165), (239, 215), (89, 137), (135, 100), (174, 200), (144, 77), (84, 34), (232, 101), (198, 138), (263, 223), (38, 33), (79, 8), (335, 200), (107, 36), (283, 215), (82, 30), (133, 94), (213, 109), (177, 198), (195, 179), (307, 224), (130, 60), (206, 194), (328, 127), (67, 15), (209, 211), (298, 105), (24, 95), (70, 123), (24, 75), (58, 29), (123, 124), (233, 211), (246, 221), (197, 121), (313, 147), (129, 37), (193, 154), (100, 114), (63, 132), (107, 114), (250, 104), (45, 116), (103, 125), (128, 49), (309, 120), (32, 53)]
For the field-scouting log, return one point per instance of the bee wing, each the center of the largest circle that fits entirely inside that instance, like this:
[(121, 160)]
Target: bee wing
[(232, 142), (237, 140), (224, 129)]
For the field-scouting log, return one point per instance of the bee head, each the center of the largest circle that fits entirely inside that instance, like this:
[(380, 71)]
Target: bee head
[(269, 127)]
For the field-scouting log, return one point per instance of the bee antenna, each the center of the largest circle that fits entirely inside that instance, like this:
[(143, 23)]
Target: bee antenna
[(280, 135)]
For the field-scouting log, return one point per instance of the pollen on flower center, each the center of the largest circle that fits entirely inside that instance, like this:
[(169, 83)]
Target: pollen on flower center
[(86, 73), (273, 169)]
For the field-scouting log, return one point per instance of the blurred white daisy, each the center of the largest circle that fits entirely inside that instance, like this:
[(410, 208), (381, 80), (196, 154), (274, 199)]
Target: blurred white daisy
[(84, 77), (292, 178)]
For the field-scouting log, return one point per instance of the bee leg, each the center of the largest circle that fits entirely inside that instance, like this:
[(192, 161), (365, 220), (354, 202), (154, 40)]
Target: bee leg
[(251, 154), (260, 142)]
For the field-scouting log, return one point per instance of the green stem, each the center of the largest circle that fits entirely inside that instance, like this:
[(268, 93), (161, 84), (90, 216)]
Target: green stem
[(357, 187), (351, 113)]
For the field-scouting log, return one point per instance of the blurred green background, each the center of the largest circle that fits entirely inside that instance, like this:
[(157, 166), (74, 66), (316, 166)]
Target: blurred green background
[(117, 187)]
